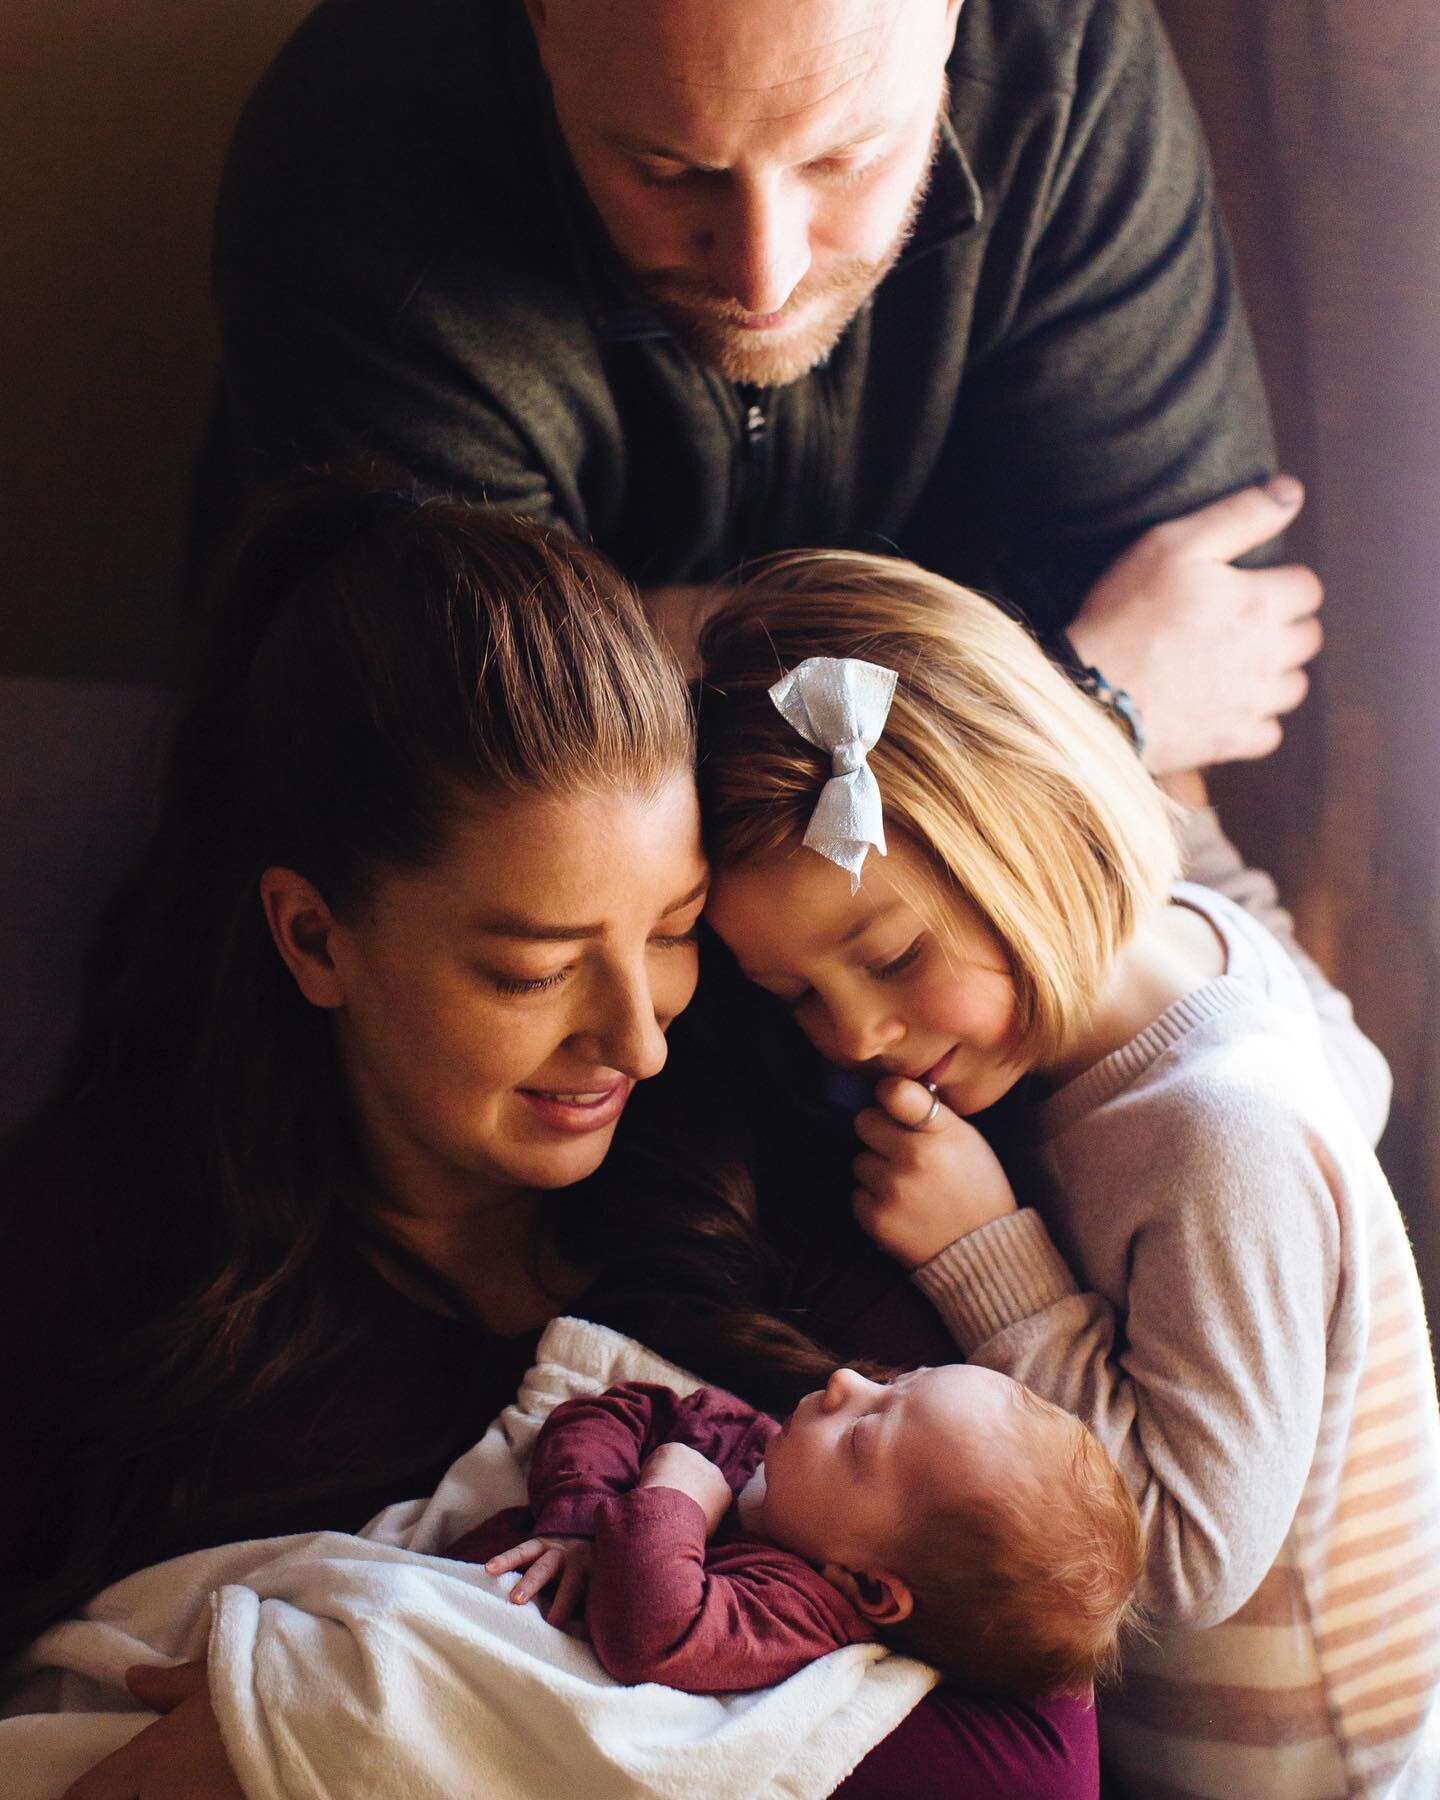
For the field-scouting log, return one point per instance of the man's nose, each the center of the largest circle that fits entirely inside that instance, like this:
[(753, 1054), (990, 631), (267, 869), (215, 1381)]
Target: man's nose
[(759, 248)]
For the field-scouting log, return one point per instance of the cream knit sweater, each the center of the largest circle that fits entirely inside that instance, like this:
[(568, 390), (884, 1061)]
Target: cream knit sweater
[(1215, 1277)]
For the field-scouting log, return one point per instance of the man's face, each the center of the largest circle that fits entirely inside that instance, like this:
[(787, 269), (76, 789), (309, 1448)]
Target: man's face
[(757, 165)]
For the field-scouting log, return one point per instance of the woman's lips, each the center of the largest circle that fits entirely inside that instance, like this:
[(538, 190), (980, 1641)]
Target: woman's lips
[(578, 1109)]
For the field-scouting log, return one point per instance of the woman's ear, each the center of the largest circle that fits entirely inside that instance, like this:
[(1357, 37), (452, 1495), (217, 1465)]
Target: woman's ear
[(302, 926), (878, 1596)]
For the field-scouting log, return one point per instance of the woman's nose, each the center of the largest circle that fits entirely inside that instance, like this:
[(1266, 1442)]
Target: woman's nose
[(625, 1034)]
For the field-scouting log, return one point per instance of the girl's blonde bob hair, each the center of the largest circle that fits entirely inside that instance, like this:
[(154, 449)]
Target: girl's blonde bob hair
[(1025, 799)]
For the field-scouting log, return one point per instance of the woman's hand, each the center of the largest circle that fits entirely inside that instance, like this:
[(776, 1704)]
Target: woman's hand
[(918, 1186), (179, 1757), (678, 1466), (546, 1559)]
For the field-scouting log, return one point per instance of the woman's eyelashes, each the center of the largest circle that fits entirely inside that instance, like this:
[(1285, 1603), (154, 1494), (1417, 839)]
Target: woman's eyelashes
[(513, 986)]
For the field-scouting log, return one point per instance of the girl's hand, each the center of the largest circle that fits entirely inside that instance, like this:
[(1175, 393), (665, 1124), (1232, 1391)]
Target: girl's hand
[(919, 1187), (179, 1757), (543, 1560), (678, 1466)]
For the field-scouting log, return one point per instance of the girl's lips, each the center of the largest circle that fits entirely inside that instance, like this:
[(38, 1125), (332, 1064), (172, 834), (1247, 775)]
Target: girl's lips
[(936, 1070), (578, 1110)]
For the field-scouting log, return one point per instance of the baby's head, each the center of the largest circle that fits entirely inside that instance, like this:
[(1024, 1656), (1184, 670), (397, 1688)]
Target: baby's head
[(973, 1523), (1026, 840)]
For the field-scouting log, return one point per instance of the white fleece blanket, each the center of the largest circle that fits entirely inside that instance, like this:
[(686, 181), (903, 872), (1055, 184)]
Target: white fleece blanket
[(372, 1666)]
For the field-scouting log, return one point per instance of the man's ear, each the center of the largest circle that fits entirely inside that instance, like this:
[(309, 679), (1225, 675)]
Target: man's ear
[(302, 926), (878, 1596)]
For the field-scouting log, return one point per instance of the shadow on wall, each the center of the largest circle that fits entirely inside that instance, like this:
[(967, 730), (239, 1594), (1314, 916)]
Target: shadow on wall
[(113, 125)]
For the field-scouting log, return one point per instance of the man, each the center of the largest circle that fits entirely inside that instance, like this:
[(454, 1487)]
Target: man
[(700, 279), (704, 278)]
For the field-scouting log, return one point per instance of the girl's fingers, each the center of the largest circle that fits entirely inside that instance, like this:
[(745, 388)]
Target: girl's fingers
[(876, 1129), (909, 1104), (869, 1171)]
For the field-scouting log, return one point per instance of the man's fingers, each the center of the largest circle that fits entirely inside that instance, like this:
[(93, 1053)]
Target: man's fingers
[(1290, 690), (1239, 523), (1299, 590), (1305, 639)]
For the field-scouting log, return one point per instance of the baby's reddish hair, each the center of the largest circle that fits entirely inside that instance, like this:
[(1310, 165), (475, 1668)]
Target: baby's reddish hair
[(1025, 1587)]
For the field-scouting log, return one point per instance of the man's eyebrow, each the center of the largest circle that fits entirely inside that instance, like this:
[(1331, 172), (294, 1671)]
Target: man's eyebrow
[(622, 140), (516, 925)]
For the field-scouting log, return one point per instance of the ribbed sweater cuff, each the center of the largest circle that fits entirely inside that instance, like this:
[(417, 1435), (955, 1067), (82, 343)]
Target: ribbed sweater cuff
[(994, 1277)]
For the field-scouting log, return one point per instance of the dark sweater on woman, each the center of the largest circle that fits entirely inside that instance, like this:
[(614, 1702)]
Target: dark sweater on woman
[(93, 1238)]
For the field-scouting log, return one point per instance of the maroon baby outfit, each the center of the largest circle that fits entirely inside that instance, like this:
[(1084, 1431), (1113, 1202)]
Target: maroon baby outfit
[(664, 1604)]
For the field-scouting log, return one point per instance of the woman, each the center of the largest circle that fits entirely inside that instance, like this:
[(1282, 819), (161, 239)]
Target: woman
[(419, 915)]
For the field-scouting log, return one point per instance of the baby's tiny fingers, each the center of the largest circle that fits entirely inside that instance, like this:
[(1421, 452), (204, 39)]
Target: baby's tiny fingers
[(537, 1577), (514, 1558)]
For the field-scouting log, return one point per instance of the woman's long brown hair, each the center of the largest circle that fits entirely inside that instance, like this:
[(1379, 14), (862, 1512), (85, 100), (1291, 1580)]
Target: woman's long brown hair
[(372, 654)]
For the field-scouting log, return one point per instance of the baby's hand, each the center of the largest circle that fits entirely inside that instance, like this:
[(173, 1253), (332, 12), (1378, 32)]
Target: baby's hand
[(543, 1559), (919, 1187), (678, 1466)]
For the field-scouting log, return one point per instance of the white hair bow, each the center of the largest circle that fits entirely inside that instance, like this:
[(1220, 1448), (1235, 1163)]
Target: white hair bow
[(840, 705)]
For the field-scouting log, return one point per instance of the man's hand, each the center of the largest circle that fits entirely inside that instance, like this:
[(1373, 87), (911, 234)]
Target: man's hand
[(544, 1559), (179, 1757), (1212, 655), (678, 1466), (919, 1187)]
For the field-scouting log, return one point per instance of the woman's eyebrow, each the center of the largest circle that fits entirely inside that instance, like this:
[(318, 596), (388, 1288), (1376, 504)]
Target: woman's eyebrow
[(513, 925), (516, 925)]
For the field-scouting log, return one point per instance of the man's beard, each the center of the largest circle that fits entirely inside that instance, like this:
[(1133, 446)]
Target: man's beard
[(707, 321)]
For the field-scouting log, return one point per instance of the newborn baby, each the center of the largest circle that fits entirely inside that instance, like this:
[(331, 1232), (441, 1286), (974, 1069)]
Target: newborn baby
[(950, 1512)]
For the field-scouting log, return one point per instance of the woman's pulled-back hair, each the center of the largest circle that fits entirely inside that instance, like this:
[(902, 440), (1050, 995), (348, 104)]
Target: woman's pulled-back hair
[(375, 658), (1023, 797)]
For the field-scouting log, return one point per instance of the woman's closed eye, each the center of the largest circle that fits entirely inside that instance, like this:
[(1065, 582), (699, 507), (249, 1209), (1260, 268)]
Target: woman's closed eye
[(515, 985)]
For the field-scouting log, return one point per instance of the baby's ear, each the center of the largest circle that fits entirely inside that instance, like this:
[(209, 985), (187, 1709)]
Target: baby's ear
[(878, 1596)]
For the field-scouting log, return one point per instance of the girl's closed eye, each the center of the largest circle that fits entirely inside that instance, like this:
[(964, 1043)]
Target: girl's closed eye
[(898, 964)]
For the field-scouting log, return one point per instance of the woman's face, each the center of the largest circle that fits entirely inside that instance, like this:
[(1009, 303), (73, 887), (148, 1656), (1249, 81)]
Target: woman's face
[(872, 986), (495, 1010)]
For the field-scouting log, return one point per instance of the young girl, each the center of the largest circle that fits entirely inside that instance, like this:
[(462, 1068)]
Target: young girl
[(969, 885)]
